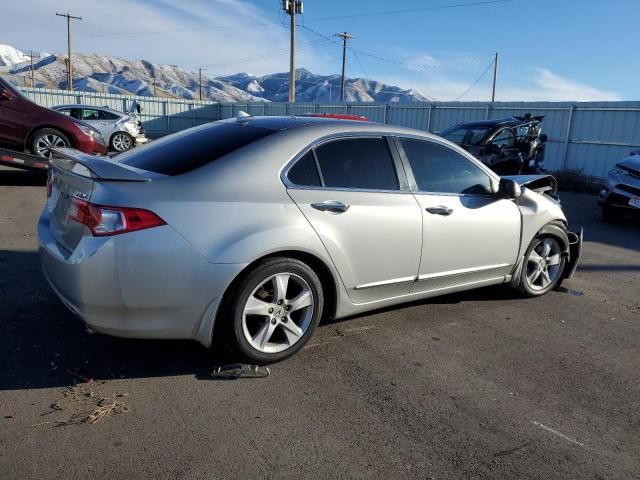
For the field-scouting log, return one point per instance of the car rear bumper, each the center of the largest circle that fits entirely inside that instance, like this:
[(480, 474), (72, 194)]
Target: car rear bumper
[(145, 284), (575, 250), (140, 140)]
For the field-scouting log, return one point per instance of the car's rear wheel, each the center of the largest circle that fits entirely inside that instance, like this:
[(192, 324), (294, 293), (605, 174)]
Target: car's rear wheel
[(121, 142), (47, 138), (275, 310), (543, 265)]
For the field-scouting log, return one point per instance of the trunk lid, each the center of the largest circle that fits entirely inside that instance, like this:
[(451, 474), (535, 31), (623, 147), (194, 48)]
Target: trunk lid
[(72, 177), (65, 187)]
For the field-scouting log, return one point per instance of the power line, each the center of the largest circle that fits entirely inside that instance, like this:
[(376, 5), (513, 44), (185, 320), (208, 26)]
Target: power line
[(280, 22), (390, 60), (409, 10), (260, 55), (476, 82)]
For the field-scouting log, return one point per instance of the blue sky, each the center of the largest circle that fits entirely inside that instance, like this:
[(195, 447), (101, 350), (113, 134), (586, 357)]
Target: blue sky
[(549, 49)]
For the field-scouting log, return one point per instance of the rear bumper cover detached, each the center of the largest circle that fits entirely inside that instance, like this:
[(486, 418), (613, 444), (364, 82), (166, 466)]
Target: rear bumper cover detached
[(575, 250)]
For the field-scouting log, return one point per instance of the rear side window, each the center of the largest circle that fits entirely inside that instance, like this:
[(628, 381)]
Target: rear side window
[(439, 169), (188, 150), (363, 163), (305, 172)]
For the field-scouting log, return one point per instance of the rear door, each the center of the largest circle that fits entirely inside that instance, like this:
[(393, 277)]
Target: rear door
[(102, 121), (469, 235), (354, 194)]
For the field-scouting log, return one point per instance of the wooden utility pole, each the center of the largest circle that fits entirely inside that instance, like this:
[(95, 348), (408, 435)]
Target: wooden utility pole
[(70, 69), (200, 81), (345, 36), (292, 7), (495, 78), (33, 83)]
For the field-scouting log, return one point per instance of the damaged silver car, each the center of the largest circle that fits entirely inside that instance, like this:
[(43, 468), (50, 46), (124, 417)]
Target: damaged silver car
[(250, 231)]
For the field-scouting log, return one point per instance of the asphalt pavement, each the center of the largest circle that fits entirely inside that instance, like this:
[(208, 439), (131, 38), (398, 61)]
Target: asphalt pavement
[(481, 384)]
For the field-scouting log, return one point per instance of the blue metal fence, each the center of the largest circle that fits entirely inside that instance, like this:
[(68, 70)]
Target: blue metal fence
[(586, 136)]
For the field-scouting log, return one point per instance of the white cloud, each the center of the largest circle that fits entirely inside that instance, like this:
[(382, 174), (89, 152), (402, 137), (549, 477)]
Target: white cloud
[(115, 28), (535, 84)]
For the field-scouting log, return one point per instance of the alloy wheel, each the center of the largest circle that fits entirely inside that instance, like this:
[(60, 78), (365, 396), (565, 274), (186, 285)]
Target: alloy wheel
[(543, 264), (278, 313), (121, 142), (46, 142)]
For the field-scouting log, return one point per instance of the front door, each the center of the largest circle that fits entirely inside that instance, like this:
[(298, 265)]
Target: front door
[(469, 236), (349, 191), (12, 130)]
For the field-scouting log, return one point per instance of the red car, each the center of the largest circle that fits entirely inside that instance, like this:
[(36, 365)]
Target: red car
[(26, 126)]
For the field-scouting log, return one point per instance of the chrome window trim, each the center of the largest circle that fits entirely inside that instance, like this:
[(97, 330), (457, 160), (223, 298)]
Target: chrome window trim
[(338, 136)]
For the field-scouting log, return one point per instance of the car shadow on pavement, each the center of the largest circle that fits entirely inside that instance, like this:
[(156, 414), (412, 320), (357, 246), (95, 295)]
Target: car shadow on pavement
[(10, 177), (43, 345)]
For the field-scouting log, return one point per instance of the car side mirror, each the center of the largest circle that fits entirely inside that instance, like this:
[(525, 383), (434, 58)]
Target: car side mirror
[(543, 138), (508, 189), (5, 94)]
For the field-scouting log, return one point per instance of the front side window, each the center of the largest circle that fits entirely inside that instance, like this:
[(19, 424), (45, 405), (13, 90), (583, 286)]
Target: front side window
[(439, 169), (360, 163), (504, 139)]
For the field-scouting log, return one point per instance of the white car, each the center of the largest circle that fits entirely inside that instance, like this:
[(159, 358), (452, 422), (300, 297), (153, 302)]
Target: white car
[(122, 131)]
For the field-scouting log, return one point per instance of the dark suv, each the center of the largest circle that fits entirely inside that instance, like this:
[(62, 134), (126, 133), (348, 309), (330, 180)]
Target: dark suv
[(26, 126), (511, 146)]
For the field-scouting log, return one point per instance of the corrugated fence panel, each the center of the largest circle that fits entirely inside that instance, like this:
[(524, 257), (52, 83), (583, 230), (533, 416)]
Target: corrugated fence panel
[(585, 136)]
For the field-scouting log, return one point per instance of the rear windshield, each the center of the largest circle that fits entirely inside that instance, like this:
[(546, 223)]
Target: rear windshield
[(186, 151)]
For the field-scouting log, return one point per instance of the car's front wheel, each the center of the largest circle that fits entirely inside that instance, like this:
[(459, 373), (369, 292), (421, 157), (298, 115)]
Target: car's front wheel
[(121, 142), (46, 139), (275, 310), (543, 265)]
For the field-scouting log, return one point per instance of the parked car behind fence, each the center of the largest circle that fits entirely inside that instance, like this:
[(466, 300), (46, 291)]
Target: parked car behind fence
[(122, 131)]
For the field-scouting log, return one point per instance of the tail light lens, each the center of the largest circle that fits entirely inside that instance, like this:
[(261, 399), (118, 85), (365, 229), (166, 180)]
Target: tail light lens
[(105, 221)]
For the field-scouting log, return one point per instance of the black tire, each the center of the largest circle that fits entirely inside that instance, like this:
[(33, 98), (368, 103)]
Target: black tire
[(233, 328), (524, 286), (612, 214), (118, 144), (44, 136)]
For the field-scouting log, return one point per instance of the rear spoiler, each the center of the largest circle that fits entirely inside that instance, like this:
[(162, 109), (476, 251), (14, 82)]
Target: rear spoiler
[(99, 168), (538, 183)]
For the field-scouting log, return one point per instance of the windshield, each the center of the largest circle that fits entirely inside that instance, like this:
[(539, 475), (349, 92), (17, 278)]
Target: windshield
[(466, 135)]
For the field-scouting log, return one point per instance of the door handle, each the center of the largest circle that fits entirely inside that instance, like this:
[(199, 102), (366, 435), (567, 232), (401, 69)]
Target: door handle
[(331, 206), (440, 210)]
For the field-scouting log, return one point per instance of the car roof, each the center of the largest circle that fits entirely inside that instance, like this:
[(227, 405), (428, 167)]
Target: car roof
[(324, 123), (94, 107), (504, 122)]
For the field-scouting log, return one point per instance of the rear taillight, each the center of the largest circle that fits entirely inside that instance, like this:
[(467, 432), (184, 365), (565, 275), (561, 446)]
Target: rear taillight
[(104, 221)]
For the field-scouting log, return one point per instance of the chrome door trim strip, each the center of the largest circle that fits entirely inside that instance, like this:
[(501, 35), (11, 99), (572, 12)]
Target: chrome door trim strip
[(384, 283), (462, 271)]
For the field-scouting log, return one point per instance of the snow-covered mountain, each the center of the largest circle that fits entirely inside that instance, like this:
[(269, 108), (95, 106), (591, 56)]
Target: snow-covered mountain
[(321, 89), (101, 73)]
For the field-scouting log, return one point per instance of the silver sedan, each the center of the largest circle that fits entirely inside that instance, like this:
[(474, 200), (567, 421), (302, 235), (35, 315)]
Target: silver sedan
[(122, 131), (250, 231)]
